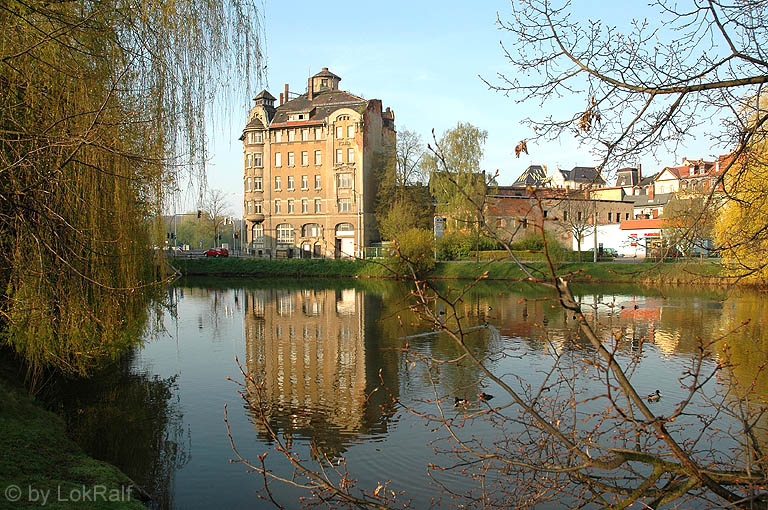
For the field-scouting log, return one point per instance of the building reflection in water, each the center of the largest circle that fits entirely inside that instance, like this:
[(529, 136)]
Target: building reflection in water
[(308, 346)]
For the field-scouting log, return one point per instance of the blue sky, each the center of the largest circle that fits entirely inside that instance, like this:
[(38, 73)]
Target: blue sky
[(422, 59)]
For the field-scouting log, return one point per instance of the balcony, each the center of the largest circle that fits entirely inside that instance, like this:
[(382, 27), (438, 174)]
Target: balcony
[(255, 217)]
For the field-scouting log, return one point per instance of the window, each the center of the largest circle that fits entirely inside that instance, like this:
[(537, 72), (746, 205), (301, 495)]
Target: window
[(318, 205), (257, 207), (339, 155), (278, 208), (344, 204), (250, 207), (310, 230), (304, 135), (344, 180), (291, 135), (278, 159), (304, 205), (339, 132), (279, 135), (257, 184), (290, 206), (248, 184), (626, 216), (565, 215), (545, 213), (284, 232), (350, 155), (277, 183), (324, 82), (351, 131), (318, 181), (610, 217), (290, 183), (618, 217), (258, 232), (248, 160), (318, 158), (318, 133), (578, 216), (523, 223), (290, 159), (254, 137), (304, 158), (257, 162), (304, 182)]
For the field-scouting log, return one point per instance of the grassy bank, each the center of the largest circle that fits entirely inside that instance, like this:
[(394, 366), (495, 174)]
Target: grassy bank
[(292, 268), (647, 273), (41, 466)]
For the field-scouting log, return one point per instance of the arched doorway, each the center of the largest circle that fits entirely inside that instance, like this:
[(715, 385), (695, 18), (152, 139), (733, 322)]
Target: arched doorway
[(344, 245)]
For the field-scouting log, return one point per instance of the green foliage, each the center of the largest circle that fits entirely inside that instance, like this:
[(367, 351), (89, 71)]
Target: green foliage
[(413, 251), (456, 181), (98, 100), (457, 245)]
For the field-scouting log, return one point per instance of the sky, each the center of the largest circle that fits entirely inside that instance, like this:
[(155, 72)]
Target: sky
[(424, 60)]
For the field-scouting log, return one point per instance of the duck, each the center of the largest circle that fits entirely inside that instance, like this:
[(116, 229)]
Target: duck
[(485, 397), (459, 402), (654, 397)]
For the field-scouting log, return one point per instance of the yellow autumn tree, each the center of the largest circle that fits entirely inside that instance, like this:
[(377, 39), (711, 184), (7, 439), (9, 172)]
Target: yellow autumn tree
[(742, 227)]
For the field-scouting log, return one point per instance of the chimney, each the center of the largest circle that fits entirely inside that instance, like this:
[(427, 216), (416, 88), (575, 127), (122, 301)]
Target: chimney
[(310, 92), (639, 172), (281, 99), (286, 93), (651, 192)]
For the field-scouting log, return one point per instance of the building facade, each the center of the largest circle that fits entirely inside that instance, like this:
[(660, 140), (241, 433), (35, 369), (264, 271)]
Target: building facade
[(310, 171)]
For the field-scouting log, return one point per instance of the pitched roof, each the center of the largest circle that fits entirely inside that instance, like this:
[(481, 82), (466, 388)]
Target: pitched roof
[(325, 73), (322, 104), (534, 175), (626, 176), (264, 94), (586, 174), (658, 199)]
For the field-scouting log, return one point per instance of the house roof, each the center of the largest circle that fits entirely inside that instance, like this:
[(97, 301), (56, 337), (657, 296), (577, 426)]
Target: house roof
[(325, 73), (626, 176), (658, 199), (264, 95), (586, 173), (321, 106), (647, 181), (534, 175)]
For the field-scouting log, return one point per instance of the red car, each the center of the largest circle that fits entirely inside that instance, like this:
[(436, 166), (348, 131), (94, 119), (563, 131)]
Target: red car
[(217, 252)]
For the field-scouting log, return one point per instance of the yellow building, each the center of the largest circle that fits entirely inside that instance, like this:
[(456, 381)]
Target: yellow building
[(309, 171)]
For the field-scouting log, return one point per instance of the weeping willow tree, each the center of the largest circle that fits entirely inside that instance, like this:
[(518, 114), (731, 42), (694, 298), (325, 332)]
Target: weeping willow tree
[(102, 108)]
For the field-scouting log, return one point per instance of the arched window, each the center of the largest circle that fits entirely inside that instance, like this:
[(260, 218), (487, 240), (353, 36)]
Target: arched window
[(284, 233), (257, 233), (345, 229), (311, 230)]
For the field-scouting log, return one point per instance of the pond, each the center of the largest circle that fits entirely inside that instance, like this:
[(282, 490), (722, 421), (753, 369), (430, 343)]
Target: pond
[(337, 381)]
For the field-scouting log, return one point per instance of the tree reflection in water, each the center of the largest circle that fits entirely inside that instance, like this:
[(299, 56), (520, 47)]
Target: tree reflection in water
[(130, 418)]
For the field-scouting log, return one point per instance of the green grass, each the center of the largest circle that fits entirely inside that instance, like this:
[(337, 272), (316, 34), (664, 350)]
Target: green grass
[(38, 454), (663, 273)]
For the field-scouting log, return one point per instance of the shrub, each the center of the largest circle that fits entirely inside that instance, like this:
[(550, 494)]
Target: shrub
[(414, 246)]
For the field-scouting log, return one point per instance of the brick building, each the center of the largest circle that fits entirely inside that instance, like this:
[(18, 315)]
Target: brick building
[(515, 217), (309, 171)]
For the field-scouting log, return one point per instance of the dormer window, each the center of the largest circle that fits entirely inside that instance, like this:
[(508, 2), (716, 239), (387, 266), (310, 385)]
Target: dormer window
[(298, 116)]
